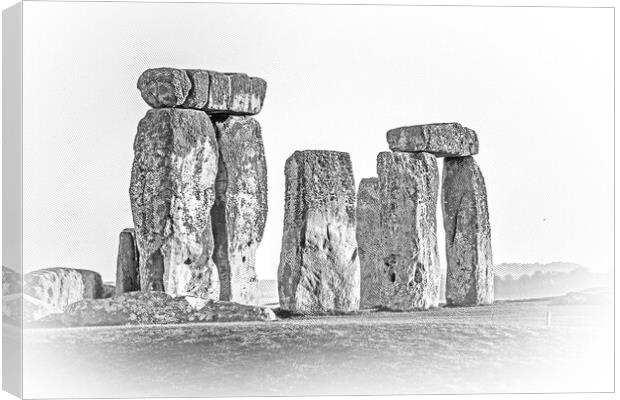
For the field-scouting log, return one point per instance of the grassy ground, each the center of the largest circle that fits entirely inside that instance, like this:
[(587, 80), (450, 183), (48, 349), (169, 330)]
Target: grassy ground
[(507, 347)]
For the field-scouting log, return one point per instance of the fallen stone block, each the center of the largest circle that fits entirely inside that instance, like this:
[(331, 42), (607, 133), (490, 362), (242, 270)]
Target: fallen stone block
[(127, 262), (172, 192), (408, 189), (164, 87), (51, 290), (240, 209), (145, 308), (319, 265), (368, 234), (469, 279), (442, 140)]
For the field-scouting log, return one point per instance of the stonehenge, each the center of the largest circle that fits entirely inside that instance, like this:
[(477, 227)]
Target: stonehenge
[(319, 265), (469, 279), (368, 241), (172, 191), (127, 262), (408, 188), (209, 91), (442, 140), (240, 209), (198, 187)]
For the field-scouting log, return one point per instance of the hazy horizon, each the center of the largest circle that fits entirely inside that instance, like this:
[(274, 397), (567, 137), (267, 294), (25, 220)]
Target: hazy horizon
[(539, 99)]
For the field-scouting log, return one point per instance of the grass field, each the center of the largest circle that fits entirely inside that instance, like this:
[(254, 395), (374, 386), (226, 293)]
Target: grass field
[(507, 347)]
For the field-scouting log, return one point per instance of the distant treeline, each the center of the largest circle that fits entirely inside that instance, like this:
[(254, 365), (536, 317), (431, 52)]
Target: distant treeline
[(550, 283)]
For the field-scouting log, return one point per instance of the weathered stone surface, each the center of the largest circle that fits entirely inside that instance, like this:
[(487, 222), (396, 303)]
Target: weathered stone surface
[(240, 208), (211, 91), (235, 93), (108, 291), (11, 296), (408, 189), (319, 265), (442, 140), (199, 92), (51, 290), (127, 262), (172, 191), (469, 256), (164, 87), (368, 234), (141, 308)]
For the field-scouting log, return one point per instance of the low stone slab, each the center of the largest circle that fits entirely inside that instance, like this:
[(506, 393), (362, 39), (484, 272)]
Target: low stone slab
[(240, 209), (442, 140), (368, 234), (408, 190), (127, 262), (172, 192), (319, 266), (142, 308), (210, 91), (51, 290), (469, 279)]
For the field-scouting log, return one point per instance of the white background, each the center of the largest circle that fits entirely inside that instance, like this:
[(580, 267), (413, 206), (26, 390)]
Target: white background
[(535, 83)]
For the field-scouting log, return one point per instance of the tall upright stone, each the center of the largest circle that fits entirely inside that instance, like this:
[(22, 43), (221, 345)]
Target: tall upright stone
[(368, 235), (469, 257), (408, 189), (319, 265), (172, 192), (127, 263), (240, 208)]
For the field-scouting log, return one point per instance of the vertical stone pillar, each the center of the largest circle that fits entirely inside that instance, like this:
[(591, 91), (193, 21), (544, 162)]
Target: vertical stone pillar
[(469, 257), (368, 235), (127, 263), (172, 191), (408, 189), (240, 208), (319, 265)]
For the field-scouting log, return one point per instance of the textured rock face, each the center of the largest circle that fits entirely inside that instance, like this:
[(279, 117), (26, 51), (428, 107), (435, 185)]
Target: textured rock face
[(240, 208), (51, 290), (164, 87), (469, 257), (211, 91), (319, 265), (368, 234), (408, 188), (127, 262), (140, 308), (235, 94), (442, 140), (11, 296), (172, 191), (198, 95)]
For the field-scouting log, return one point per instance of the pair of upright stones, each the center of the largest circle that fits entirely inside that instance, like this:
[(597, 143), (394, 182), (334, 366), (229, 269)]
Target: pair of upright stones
[(396, 216), (198, 187)]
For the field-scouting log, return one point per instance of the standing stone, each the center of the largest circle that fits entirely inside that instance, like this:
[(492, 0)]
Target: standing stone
[(319, 265), (368, 237), (164, 87), (408, 189), (442, 140), (240, 208), (51, 290), (127, 262), (172, 191), (469, 257)]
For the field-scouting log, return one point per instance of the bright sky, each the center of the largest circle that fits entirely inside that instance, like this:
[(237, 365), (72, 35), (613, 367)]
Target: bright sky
[(535, 83)]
